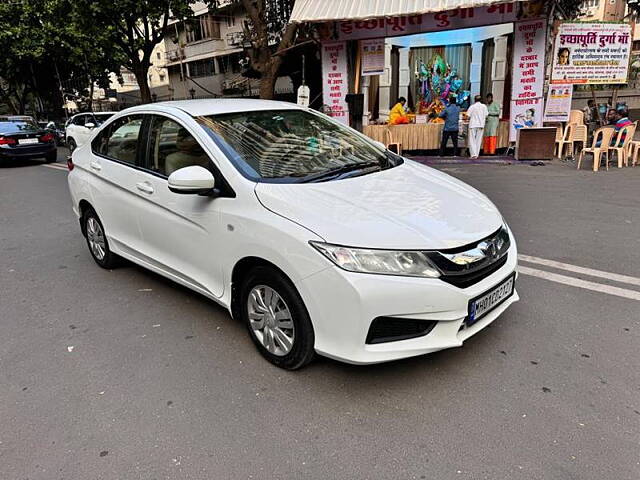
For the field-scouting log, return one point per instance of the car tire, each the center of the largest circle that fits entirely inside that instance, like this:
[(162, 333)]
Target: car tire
[(286, 338), (51, 157), (71, 143), (97, 240)]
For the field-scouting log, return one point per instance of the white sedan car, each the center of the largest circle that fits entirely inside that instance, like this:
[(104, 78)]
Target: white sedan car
[(314, 236)]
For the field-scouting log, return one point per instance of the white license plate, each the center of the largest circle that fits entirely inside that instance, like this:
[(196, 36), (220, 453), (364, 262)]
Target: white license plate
[(483, 304), (27, 141)]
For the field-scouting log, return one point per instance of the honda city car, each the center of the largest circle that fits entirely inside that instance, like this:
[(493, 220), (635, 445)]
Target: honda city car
[(314, 236)]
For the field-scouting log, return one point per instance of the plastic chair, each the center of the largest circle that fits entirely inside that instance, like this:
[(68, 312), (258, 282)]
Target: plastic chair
[(562, 139), (602, 136), (576, 116), (579, 135), (634, 149), (389, 141), (621, 147)]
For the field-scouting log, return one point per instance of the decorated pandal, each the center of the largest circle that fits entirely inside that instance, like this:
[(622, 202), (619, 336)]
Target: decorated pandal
[(437, 84)]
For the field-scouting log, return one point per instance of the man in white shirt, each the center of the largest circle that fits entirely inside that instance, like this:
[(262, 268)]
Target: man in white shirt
[(478, 114)]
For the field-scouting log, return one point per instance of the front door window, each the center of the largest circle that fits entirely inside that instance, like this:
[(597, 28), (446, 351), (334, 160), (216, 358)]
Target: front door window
[(173, 147)]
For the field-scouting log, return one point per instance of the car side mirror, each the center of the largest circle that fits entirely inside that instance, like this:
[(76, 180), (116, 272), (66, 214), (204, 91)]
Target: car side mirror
[(90, 125), (194, 180)]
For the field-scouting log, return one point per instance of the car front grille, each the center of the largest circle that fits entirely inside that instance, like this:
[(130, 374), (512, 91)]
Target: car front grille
[(467, 265)]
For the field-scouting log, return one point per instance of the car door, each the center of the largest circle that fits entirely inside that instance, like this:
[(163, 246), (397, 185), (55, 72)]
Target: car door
[(181, 232), (117, 182), (74, 128), (84, 132)]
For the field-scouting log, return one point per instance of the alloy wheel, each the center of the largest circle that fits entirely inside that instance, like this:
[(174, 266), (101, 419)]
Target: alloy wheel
[(270, 320), (95, 237)]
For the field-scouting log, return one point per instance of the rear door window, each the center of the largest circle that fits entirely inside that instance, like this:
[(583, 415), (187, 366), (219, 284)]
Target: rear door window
[(121, 140)]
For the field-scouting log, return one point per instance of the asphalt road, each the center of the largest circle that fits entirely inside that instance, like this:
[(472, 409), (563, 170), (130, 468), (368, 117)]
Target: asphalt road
[(123, 375)]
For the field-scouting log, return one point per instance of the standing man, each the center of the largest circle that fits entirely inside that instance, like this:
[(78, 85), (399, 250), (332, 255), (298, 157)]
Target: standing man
[(491, 126), (477, 117), (451, 115)]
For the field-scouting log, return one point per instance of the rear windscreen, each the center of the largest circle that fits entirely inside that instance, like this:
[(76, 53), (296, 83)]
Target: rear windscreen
[(18, 126)]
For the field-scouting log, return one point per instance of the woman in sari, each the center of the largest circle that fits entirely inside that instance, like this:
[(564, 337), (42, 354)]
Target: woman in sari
[(491, 126)]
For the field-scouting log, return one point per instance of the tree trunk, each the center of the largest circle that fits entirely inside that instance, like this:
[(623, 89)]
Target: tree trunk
[(268, 85), (141, 72)]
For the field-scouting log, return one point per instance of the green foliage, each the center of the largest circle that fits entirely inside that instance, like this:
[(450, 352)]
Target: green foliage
[(39, 40)]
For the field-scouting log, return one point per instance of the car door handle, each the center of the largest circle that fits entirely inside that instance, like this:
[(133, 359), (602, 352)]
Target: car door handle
[(95, 165), (145, 187)]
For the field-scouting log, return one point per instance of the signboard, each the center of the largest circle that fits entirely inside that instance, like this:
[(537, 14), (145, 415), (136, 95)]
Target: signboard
[(428, 22), (335, 80), (528, 75), (372, 53), (558, 104), (303, 96), (592, 53)]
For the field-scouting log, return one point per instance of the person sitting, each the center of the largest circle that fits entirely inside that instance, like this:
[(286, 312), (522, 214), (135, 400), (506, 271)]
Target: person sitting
[(189, 153), (621, 118), (398, 115)]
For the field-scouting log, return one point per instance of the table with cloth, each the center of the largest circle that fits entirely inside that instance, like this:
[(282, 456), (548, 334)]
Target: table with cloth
[(424, 136)]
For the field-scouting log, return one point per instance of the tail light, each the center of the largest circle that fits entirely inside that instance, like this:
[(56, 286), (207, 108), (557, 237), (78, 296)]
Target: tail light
[(47, 137), (70, 164), (7, 141)]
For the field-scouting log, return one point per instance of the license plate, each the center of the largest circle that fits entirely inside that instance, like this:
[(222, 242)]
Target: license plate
[(480, 306), (27, 141)]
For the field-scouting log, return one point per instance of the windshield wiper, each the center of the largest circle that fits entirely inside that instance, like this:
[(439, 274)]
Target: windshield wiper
[(339, 171)]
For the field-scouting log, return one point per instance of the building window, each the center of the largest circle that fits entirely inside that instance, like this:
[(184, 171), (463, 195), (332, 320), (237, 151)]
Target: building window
[(201, 68), (202, 28), (162, 77), (230, 63), (231, 21), (158, 55)]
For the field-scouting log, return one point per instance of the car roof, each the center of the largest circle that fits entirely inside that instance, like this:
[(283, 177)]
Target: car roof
[(93, 113), (201, 107), (15, 118)]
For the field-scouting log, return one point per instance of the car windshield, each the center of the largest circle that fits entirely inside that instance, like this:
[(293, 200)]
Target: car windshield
[(18, 126), (293, 146)]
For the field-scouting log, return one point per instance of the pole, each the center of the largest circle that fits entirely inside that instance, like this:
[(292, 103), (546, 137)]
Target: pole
[(184, 80), (64, 106), (593, 95)]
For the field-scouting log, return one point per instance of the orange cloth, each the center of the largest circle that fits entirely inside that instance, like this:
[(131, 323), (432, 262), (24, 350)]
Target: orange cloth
[(489, 146)]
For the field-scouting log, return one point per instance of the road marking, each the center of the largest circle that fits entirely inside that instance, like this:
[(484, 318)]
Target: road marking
[(585, 271), (576, 282), (56, 166)]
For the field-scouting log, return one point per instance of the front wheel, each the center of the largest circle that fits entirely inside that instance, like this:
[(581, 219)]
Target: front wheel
[(71, 143), (51, 157), (277, 319), (97, 241)]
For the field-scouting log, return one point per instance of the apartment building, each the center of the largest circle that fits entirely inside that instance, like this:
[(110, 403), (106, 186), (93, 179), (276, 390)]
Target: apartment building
[(204, 55)]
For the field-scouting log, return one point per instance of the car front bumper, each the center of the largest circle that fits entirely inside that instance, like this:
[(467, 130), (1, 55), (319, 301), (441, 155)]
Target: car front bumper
[(343, 304)]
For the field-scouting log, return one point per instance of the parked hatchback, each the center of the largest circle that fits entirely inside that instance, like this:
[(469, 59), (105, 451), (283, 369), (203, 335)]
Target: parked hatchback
[(22, 138), (314, 236)]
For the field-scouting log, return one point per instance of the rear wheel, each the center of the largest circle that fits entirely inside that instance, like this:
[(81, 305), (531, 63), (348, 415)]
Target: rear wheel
[(276, 318), (97, 241), (51, 157)]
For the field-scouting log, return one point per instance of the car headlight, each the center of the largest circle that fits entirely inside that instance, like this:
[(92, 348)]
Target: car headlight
[(385, 262)]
